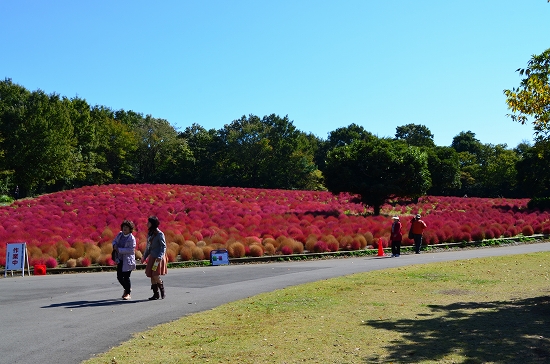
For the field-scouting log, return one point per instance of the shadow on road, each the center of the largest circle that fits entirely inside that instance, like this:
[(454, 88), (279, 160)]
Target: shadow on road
[(98, 303), (498, 332)]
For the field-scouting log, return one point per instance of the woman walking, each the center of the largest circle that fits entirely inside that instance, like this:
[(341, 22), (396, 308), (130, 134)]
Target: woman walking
[(124, 248), (155, 255)]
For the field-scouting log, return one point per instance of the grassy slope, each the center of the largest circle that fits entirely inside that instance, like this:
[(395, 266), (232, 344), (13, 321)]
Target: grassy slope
[(491, 310)]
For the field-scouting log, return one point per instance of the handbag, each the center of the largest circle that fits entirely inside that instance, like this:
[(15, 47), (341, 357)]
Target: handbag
[(114, 255), (411, 235)]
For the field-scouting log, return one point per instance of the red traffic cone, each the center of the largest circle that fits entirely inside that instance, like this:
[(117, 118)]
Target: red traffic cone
[(380, 248)]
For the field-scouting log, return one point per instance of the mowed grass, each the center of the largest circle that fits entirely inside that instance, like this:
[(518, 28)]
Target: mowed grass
[(489, 310)]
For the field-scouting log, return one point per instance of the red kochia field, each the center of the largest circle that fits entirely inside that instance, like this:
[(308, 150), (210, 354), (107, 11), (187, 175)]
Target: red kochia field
[(76, 227)]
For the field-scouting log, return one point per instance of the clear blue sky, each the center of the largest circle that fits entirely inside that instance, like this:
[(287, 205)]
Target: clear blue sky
[(325, 64)]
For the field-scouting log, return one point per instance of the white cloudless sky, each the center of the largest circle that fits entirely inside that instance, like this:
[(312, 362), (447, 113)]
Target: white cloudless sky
[(326, 64)]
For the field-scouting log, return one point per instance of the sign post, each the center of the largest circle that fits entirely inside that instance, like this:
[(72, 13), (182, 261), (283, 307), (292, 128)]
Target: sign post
[(16, 257)]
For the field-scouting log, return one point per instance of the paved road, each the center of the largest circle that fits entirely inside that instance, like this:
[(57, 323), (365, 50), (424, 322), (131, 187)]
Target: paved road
[(69, 318)]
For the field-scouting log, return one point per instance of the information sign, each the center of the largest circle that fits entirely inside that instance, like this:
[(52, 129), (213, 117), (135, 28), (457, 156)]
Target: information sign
[(219, 257), (16, 257)]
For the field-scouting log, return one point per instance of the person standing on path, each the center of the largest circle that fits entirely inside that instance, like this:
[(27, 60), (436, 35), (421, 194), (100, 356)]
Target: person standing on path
[(396, 237), (417, 228), (124, 249), (157, 262)]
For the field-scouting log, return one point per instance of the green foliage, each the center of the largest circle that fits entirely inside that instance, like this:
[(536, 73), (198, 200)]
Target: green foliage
[(541, 203), (532, 97), (444, 166), (377, 170), (533, 170), (265, 153), (417, 135)]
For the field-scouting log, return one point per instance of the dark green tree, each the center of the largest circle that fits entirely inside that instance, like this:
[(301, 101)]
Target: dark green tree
[(38, 138), (377, 170), (337, 138), (533, 170), (264, 153), (416, 135), (467, 142), (444, 167), (116, 153), (205, 148), (159, 150)]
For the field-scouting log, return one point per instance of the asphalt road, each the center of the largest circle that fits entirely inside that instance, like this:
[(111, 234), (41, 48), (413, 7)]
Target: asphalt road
[(69, 318)]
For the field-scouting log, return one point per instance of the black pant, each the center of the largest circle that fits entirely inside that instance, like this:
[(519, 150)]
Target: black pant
[(396, 247), (123, 278), (417, 242)]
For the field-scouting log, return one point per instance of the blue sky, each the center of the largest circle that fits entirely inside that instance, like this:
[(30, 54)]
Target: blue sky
[(326, 64)]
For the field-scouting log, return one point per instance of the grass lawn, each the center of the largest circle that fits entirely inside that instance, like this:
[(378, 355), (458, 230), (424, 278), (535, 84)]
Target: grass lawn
[(487, 310)]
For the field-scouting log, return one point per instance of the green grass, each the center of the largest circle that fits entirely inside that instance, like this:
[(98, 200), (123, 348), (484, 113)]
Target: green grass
[(490, 310)]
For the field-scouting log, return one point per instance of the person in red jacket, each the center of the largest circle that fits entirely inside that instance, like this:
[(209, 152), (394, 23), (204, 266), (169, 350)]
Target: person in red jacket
[(417, 228), (396, 237)]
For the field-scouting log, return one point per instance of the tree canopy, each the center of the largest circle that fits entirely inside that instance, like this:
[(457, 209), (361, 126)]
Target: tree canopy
[(377, 170), (532, 96)]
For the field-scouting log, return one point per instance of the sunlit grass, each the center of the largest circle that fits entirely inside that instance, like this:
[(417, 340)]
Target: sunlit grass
[(477, 310)]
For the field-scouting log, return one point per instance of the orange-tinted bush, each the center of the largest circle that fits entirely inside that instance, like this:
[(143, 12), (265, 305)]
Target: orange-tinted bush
[(256, 250), (185, 253), (368, 237), (206, 251), (71, 263), (269, 249), (92, 252), (197, 253), (236, 250)]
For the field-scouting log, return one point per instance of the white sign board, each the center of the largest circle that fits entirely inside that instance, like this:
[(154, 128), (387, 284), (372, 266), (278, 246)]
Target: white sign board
[(16, 256)]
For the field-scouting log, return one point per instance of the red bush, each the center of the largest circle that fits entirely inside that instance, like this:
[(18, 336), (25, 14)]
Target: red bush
[(527, 230)]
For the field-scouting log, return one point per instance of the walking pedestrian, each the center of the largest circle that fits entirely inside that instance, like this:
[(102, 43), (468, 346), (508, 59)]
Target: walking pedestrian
[(155, 255), (124, 254)]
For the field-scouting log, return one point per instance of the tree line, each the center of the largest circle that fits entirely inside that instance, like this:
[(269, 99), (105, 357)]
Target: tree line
[(50, 142)]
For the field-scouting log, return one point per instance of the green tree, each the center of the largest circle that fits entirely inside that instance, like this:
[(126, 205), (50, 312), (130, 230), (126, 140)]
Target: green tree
[(467, 142), (265, 153), (499, 174), (159, 150), (417, 135), (444, 167), (377, 170), (116, 151), (205, 146), (532, 97), (533, 170), (340, 137), (38, 138)]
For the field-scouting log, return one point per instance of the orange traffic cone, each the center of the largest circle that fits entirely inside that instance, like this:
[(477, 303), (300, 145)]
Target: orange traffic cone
[(380, 248)]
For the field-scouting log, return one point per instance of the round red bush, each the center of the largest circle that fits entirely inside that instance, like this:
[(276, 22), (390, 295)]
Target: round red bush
[(527, 230)]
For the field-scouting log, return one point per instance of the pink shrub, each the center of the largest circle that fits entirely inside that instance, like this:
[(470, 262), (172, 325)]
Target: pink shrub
[(286, 250), (51, 262), (320, 247), (83, 262)]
